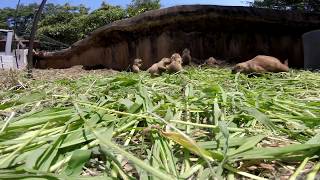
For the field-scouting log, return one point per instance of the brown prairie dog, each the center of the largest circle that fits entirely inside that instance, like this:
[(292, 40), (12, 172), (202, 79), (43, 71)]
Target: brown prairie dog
[(186, 57), (137, 63), (211, 61), (176, 64), (158, 68), (261, 64)]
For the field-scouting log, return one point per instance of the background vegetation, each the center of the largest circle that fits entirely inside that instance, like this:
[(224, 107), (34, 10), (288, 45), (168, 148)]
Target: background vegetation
[(62, 25), (293, 5)]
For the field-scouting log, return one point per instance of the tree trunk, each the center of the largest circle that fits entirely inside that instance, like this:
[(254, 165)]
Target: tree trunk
[(32, 36)]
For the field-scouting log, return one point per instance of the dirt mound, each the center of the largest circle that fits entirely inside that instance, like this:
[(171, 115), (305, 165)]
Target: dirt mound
[(233, 33)]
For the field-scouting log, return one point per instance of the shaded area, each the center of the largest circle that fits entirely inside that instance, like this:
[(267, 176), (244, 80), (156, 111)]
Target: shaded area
[(232, 33)]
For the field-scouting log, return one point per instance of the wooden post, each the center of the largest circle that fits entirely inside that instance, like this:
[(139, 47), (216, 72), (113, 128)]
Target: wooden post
[(32, 36), (14, 34)]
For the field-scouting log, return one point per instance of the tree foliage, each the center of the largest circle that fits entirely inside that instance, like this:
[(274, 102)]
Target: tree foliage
[(301, 5), (102, 16), (24, 18), (57, 23), (62, 25), (70, 26), (139, 6)]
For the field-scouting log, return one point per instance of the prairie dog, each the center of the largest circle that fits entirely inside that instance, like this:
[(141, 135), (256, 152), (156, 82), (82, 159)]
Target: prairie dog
[(211, 61), (186, 57), (261, 64), (176, 57), (137, 63), (158, 68), (162, 65), (176, 64)]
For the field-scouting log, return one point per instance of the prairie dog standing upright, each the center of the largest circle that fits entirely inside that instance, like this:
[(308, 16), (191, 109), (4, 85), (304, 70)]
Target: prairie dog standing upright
[(186, 57), (176, 63), (137, 63), (261, 64)]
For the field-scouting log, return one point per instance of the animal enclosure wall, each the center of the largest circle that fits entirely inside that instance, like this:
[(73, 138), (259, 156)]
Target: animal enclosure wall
[(234, 34), (17, 60)]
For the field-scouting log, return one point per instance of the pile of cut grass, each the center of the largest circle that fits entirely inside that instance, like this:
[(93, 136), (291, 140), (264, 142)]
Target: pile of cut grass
[(197, 124)]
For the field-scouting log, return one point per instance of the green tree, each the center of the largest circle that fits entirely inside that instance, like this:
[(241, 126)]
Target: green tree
[(62, 25), (24, 18), (69, 24), (297, 5), (26, 13), (5, 14), (139, 6), (101, 17), (55, 28)]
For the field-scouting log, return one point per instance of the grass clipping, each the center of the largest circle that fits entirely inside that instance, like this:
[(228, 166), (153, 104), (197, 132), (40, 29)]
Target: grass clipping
[(198, 124)]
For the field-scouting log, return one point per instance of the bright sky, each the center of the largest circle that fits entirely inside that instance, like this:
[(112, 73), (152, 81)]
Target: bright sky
[(96, 3)]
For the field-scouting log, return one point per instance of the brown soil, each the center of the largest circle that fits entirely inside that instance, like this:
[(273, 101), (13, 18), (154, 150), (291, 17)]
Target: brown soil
[(12, 78)]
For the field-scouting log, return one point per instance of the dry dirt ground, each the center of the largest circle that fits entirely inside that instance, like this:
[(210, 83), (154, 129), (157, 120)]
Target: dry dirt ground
[(11, 78)]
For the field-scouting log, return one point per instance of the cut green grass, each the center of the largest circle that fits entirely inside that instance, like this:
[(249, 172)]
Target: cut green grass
[(200, 123)]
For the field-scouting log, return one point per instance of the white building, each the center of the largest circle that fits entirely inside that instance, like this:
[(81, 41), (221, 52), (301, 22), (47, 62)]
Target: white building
[(11, 59)]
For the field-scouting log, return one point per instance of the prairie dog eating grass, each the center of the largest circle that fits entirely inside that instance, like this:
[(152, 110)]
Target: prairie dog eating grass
[(176, 63), (261, 64), (137, 63), (186, 57), (158, 68), (211, 62)]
